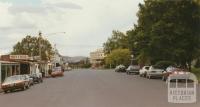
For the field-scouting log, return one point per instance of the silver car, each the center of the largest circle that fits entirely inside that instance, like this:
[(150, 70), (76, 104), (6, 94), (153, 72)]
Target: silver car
[(154, 71), (133, 69)]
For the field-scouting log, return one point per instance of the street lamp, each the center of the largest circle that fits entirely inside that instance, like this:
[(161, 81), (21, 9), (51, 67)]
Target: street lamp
[(132, 56), (40, 52), (40, 37)]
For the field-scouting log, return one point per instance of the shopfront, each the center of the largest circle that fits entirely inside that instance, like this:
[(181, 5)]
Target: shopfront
[(46, 68), (8, 69), (25, 64)]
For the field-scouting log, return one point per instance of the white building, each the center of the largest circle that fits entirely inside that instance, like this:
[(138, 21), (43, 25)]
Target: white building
[(57, 58), (97, 57)]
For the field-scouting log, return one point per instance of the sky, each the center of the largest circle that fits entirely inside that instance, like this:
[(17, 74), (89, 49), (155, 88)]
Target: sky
[(87, 23)]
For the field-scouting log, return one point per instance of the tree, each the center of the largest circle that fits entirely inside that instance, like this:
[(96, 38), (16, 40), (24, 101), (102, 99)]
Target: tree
[(30, 46), (168, 30), (118, 40), (118, 56)]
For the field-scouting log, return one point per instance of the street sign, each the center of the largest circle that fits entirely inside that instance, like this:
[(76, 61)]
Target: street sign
[(18, 57)]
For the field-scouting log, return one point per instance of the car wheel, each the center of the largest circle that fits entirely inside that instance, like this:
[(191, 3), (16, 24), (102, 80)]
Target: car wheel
[(41, 80), (146, 76), (149, 77), (163, 78), (5, 91), (28, 86), (24, 87)]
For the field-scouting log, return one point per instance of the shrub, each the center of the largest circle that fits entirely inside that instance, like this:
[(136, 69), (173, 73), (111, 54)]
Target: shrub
[(196, 71)]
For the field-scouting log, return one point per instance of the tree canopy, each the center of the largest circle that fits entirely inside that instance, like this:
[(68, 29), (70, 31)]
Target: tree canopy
[(167, 30), (30, 46), (118, 40), (118, 56)]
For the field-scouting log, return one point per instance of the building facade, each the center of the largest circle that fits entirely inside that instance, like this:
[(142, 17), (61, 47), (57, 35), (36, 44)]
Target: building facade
[(97, 57), (8, 68)]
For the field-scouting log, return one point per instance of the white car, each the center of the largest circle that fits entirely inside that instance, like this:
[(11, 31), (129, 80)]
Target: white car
[(120, 68), (144, 70), (154, 72)]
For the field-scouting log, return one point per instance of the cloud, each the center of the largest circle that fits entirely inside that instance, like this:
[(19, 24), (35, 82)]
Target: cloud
[(87, 23), (64, 5), (16, 9), (42, 9)]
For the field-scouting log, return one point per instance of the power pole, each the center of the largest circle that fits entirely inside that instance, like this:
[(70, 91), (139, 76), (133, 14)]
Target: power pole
[(40, 50), (40, 38)]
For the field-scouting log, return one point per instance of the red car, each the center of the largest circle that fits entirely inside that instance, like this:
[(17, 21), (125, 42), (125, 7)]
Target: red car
[(57, 72), (173, 71)]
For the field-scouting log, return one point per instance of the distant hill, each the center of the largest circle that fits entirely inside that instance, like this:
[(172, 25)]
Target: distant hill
[(75, 59)]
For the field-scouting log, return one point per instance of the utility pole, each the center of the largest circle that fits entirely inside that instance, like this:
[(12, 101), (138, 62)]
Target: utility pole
[(40, 50), (40, 38), (132, 58), (110, 62)]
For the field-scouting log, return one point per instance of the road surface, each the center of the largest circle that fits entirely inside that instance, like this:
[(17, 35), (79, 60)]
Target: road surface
[(93, 88)]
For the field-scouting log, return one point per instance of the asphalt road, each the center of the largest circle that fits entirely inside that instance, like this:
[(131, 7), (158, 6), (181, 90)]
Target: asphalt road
[(93, 88)]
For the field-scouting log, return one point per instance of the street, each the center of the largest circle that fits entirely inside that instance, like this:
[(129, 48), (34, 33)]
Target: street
[(93, 88)]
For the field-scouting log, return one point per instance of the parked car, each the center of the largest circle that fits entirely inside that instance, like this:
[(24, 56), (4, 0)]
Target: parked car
[(36, 78), (120, 68), (174, 71), (29, 79), (68, 68), (57, 72), (15, 82), (154, 71), (133, 69), (182, 77), (169, 71), (143, 71)]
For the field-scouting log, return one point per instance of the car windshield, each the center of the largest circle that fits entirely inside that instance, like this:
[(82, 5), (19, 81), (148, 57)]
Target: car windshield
[(156, 67), (130, 67), (147, 68), (13, 78), (32, 75), (57, 68), (133, 67)]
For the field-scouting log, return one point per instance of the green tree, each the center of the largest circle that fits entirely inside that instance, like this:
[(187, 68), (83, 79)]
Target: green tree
[(168, 30), (118, 56), (118, 40), (30, 46)]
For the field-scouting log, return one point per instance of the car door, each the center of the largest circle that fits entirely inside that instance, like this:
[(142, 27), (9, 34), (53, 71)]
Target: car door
[(26, 79)]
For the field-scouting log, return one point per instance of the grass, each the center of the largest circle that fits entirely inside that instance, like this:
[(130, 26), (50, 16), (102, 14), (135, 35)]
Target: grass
[(196, 71)]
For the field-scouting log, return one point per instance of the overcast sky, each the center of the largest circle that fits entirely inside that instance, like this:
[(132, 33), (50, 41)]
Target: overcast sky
[(87, 23)]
